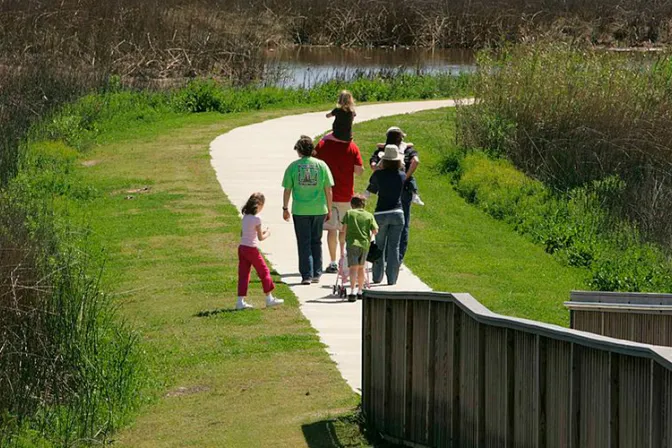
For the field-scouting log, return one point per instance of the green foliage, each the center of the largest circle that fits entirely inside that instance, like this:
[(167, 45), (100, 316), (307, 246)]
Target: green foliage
[(91, 118), (575, 226)]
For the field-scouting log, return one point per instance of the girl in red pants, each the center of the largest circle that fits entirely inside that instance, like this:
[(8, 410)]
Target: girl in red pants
[(249, 255)]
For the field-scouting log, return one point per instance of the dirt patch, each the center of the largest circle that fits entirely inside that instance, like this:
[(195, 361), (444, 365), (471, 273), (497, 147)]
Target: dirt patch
[(139, 190), (184, 391), (89, 163)]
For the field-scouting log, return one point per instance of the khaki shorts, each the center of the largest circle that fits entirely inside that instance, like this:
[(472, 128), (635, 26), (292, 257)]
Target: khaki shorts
[(338, 211)]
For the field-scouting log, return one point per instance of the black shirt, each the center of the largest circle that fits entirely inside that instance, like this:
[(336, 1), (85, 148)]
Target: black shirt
[(389, 185), (342, 126)]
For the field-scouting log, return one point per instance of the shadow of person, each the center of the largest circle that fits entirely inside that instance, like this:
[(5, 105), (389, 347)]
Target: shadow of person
[(208, 313), (323, 434)]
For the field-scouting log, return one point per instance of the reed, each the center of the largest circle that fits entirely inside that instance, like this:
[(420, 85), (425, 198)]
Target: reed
[(68, 367), (572, 117)]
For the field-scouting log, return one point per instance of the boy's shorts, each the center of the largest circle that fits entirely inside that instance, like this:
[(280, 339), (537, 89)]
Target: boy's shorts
[(357, 256), (338, 211)]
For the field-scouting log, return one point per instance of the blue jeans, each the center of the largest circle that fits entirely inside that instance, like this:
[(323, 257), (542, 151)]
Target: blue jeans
[(390, 226), (406, 199), (308, 231)]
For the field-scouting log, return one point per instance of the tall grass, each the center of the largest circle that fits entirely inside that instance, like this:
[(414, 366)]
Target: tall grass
[(68, 368), (572, 117)]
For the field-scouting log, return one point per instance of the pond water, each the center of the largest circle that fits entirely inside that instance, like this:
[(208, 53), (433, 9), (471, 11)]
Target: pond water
[(307, 66)]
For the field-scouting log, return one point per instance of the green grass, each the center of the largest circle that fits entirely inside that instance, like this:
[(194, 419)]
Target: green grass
[(259, 378), (455, 247)]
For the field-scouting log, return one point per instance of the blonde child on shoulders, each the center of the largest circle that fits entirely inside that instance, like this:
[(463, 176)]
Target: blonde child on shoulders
[(344, 114), (249, 255)]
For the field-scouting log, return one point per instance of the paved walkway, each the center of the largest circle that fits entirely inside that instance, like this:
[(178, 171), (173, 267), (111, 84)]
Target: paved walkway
[(254, 158)]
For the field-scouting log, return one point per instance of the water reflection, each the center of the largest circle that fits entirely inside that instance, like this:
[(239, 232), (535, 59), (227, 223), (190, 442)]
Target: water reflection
[(307, 66)]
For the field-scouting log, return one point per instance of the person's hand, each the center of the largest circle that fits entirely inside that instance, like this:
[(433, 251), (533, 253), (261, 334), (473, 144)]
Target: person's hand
[(267, 231), (286, 215), (328, 217)]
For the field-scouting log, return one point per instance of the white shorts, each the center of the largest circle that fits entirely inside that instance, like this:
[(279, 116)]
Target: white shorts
[(338, 211)]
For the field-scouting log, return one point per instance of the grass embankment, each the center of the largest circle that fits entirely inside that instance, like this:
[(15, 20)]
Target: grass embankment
[(596, 131), (456, 247)]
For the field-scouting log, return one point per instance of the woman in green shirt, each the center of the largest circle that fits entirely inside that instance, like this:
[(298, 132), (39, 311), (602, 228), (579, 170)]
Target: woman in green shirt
[(308, 182)]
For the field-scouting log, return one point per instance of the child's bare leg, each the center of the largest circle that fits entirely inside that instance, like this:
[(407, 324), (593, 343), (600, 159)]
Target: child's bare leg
[(360, 278), (353, 278)]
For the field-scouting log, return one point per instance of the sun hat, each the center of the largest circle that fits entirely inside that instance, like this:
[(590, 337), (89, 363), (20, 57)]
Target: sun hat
[(392, 153), (396, 129)]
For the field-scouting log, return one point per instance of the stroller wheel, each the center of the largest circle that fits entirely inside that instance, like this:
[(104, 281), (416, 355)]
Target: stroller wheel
[(333, 290)]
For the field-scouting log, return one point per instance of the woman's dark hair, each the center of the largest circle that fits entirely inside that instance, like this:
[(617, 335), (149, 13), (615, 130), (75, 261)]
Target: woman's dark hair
[(394, 138), (305, 146), (251, 207), (358, 201), (392, 165)]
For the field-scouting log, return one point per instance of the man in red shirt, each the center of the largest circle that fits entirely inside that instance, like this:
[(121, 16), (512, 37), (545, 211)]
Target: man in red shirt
[(344, 160)]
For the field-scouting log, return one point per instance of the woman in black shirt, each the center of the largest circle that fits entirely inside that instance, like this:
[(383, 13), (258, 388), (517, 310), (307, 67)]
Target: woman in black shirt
[(389, 183)]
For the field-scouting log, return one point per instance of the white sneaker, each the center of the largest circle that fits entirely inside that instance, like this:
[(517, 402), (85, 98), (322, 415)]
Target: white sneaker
[(417, 200), (272, 301), (241, 304)]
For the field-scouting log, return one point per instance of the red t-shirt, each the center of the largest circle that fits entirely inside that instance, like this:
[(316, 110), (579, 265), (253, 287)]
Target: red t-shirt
[(341, 158)]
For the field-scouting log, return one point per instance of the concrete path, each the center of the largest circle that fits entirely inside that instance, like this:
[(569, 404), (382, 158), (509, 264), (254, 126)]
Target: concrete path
[(253, 158)]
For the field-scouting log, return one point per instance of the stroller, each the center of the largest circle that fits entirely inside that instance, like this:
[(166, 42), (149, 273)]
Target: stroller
[(343, 276)]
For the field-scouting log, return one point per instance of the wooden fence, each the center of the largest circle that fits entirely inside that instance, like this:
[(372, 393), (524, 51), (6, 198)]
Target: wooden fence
[(639, 317), (442, 370)]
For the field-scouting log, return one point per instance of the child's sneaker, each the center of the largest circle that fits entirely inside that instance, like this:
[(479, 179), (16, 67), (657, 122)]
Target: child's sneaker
[(352, 298), (272, 301), (241, 304), (417, 200)]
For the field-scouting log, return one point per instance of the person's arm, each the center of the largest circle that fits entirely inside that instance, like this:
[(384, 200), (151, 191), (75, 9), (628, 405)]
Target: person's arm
[(328, 193), (262, 234), (285, 204), (373, 184), (330, 115), (357, 159), (375, 159), (415, 161)]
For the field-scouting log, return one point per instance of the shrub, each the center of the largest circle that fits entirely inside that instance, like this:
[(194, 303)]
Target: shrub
[(573, 226)]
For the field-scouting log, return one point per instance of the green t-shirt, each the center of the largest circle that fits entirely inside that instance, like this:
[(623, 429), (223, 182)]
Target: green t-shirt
[(307, 178), (360, 223)]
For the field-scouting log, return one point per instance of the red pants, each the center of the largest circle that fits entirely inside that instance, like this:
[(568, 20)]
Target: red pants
[(248, 257)]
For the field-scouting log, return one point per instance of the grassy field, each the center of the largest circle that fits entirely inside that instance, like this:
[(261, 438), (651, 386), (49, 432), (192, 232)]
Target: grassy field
[(262, 378), (455, 247), (259, 378)]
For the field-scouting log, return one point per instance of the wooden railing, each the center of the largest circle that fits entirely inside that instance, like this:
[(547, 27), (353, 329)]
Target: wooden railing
[(442, 370), (639, 317)]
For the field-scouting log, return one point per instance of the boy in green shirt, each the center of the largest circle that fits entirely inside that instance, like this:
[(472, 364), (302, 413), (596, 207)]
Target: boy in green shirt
[(358, 225)]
